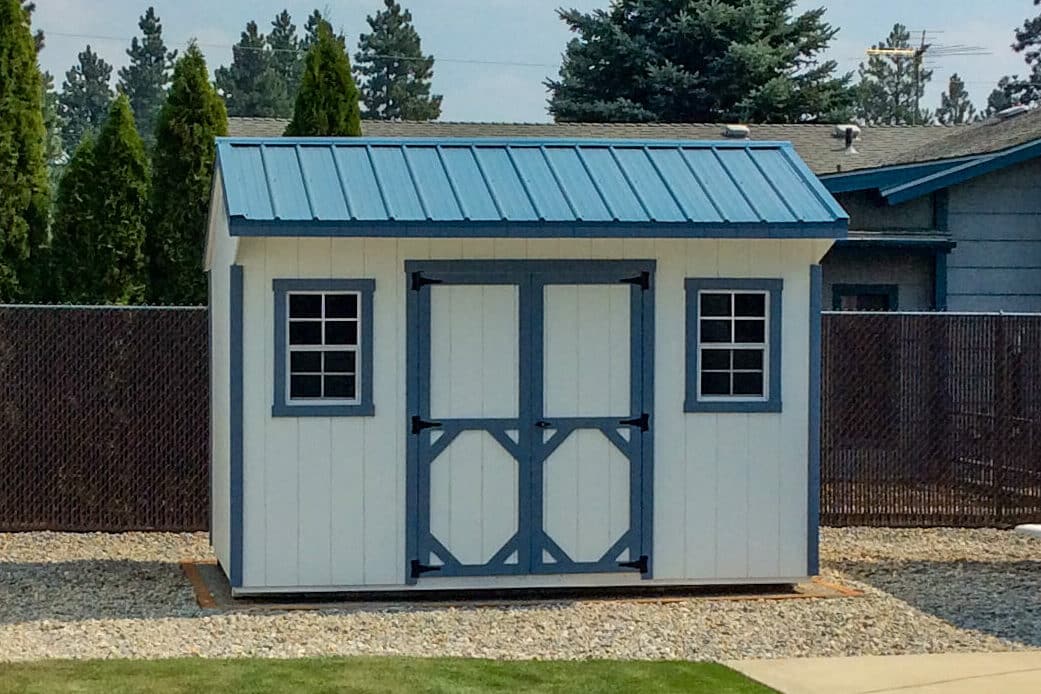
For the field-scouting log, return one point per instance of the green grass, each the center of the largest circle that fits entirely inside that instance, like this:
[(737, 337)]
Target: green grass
[(412, 675)]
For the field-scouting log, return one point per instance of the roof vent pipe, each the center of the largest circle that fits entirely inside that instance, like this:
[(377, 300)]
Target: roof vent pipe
[(737, 132), (842, 131)]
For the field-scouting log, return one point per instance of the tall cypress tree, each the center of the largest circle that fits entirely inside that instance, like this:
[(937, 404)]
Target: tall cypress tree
[(955, 105), (315, 21), (327, 103), (145, 79), (23, 170), (395, 74), (891, 86), (85, 97), (251, 85), (286, 56), (182, 169)]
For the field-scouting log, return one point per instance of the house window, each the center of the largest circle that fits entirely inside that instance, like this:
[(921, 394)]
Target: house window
[(864, 297), (733, 345), (323, 348)]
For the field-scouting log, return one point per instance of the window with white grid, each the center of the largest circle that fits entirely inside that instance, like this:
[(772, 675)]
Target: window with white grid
[(324, 338), (733, 344)]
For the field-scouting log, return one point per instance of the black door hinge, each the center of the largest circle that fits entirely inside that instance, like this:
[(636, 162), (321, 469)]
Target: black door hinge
[(418, 281), (419, 424), (643, 280), (640, 564), (418, 569), (643, 421)]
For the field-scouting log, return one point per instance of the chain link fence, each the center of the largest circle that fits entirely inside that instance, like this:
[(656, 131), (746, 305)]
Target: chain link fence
[(105, 418)]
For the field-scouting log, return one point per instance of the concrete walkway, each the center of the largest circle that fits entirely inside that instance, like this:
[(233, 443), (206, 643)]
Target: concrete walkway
[(955, 673)]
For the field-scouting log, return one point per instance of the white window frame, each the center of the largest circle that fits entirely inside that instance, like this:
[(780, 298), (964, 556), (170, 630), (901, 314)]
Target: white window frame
[(323, 348), (763, 346)]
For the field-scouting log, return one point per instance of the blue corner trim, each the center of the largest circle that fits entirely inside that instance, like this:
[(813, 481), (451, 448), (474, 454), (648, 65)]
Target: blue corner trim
[(888, 176), (692, 403), (235, 414), (940, 281), (891, 291), (814, 435), (281, 407)]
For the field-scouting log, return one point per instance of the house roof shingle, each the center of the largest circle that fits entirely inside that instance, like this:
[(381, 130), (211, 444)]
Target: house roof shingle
[(987, 137)]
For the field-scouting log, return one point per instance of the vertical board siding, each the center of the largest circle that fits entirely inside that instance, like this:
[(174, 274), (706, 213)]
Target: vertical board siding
[(220, 377), (729, 489)]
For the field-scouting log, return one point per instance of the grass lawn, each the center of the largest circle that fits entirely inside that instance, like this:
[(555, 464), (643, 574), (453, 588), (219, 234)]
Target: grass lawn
[(372, 675)]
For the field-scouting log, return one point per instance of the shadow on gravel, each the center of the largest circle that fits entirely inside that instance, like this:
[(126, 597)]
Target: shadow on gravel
[(1002, 599), (94, 589)]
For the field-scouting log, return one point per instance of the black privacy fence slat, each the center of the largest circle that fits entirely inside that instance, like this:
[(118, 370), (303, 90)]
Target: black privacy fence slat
[(927, 419), (104, 414), (931, 420)]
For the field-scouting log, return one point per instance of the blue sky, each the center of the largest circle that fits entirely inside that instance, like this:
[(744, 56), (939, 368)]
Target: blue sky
[(494, 54)]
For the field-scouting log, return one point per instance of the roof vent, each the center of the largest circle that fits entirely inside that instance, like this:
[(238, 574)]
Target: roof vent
[(1012, 112), (841, 131), (738, 132)]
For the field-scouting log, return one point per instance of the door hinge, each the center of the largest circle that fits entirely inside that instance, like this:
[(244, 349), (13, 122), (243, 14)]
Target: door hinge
[(643, 280), (418, 281), (418, 569), (419, 424), (643, 421), (640, 564)]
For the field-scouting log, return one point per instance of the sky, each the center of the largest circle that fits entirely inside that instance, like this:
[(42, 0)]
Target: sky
[(492, 56)]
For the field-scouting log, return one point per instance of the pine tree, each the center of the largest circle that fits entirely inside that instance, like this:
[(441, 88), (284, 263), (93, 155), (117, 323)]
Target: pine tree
[(1013, 89), (955, 105), (145, 79), (698, 60), (311, 29), (100, 218), (85, 97), (327, 103), (182, 175), (286, 55), (251, 85), (23, 172), (891, 86), (395, 74)]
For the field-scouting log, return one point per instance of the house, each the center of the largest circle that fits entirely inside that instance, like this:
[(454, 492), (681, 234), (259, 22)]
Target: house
[(464, 364)]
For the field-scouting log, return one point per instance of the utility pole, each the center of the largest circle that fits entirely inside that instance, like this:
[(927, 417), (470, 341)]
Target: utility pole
[(916, 54)]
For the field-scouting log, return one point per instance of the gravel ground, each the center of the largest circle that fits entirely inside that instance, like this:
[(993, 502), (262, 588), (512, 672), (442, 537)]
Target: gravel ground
[(101, 596)]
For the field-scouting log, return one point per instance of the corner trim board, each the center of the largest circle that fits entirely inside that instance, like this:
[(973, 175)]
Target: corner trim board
[(814, 434), (235, 415)]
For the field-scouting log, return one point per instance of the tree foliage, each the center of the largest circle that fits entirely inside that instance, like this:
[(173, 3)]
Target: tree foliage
[(147, 76), (23, 172), (1013, 89), (100, 217), (182, 175), (327, 103), (699, 60), (286, 56), (395, 74), (252, 85), (85, 97), (891, 86), (955, 105), (315, 21)]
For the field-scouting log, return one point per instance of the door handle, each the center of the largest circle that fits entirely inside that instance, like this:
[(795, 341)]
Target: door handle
[(543, 424)]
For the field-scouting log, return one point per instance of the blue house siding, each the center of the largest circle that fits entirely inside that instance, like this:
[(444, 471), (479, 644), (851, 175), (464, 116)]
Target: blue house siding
[(910, 271)]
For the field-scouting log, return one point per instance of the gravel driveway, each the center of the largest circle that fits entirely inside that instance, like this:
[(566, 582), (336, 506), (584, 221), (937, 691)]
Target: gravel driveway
[(99, 596)]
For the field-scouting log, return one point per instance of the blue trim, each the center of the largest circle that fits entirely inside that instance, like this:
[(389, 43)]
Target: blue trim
[(281, 407), (240, 226), (774, 287), (942, 210), (886, 176), (954, 175), (722, 143), (893, 242), (940, 281), (814, 435), (891, 291), (235, 415)]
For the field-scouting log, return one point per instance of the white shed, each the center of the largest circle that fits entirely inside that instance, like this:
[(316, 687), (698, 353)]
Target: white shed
[(466, 364)]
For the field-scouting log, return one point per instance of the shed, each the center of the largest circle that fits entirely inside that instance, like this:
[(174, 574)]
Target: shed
[(514, 363)]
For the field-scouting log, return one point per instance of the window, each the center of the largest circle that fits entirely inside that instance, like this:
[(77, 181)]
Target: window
[(733, 345), (864, 297), (323, 347)]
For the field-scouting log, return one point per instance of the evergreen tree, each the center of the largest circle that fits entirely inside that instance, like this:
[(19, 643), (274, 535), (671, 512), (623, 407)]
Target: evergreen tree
[(85, 97), (286, 55), (891, 86), (327, 103), (145, 79), (23, 172), (182, 172), (1013, 89), (251, 85), (29, 8), (698, 60), (311, 29), (955, 105), (1004, 96), (395, 74)]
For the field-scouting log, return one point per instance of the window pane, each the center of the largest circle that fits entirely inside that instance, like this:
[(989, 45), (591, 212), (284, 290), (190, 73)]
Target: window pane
[(305, 361), (715, 359), (750, 331), (305, 305), (341, 333), (339, 362), (305, 333), (748, 359), (715, 384), (750, 305), (339, 387), (341, 305), (715, 304), (715, 331), (748, 384), (305, 386)]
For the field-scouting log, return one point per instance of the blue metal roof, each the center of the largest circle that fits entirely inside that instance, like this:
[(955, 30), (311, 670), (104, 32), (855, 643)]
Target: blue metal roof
[(454, 187)]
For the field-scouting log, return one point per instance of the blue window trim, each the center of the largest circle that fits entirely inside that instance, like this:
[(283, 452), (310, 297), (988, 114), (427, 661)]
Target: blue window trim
[(366, 287), (838, 291), (774, 287)]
